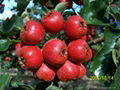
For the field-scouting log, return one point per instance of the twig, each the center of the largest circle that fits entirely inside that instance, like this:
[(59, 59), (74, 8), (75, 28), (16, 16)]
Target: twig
[(100, 39), (75, 12), (112, 15), (27, 18)]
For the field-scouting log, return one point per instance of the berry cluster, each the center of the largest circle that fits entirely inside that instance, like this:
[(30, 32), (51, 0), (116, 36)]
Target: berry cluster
[(56, 58)]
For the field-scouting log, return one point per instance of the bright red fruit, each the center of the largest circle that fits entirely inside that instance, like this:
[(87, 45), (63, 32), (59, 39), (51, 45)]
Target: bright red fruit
[(84, 37), (75, 27), (45, 73), (82, 71), (30, 57), (89, 37), (92, 30), (68, 3), (68, 71), (32, 32), (79, 51), (79, 2), (55, 52), (17, 48), (53, 22)]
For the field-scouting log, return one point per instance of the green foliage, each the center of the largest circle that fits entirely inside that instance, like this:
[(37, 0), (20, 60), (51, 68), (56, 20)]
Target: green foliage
[(92, 11), (95, 12), (61, 7), (116, 83), (115, 60), (4, 44), (51, 87), (4, 80), (11, 26), (21, 5), (110, 38)]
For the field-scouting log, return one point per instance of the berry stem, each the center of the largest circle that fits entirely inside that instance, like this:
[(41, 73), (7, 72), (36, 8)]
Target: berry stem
[(100, 39), (14, 41), (75, 12)]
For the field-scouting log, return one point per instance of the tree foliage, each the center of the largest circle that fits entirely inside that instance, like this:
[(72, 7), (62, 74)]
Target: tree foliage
[(103, 14)]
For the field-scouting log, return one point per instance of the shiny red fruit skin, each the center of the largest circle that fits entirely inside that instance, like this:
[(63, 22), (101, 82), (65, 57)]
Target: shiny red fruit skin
[(32, 56), (53, 22), (18, 48), (69, 3), (79, 2), (84, 37), (45, 73), (92, 30), (75, 27), (68, 71), (89, 37), (32, 32), (79, 51), (55, 52), (82, 71)]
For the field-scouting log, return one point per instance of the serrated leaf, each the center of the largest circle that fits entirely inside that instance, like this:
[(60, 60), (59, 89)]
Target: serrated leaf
[(115, 12), (4, 44), (50, 3), (11, 26), (21, 5), (4, 80), (51, 87), (116, 83), (114, 57), (60, 7), (110, 38), (93, 12)]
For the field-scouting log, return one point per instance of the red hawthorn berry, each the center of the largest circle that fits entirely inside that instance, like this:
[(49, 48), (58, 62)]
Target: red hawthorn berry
[(79, 51), (75, 27), (68, 3), (89, 37), (82, 71), (84, 37), (18, 48), (30, 57), (53, 22), (68, 71), (32, 32), (45, 73), (8, 58), (92, 30), (55, 52)]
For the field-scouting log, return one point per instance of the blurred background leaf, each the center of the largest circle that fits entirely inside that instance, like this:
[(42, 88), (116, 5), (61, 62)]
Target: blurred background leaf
[(4, 44), (4, 80)]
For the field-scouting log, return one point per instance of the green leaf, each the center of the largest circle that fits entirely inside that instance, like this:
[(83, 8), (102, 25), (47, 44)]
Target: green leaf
[(115, 12), (11, 26), (116, 83), (60, 7), (4, 80), (115, 60), (4, 44), (93, 12), (40, 1), (21, 5), (110, 38), (51, 87), (50, 3)]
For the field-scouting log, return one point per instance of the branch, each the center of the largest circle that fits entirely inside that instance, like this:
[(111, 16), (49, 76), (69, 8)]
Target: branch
[(100, 39), (75, 12)]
